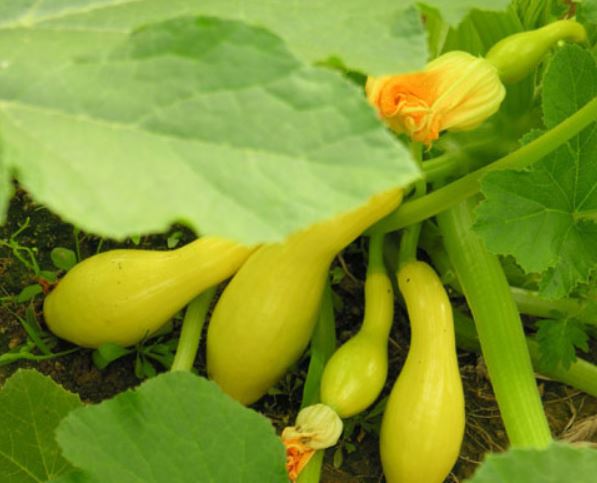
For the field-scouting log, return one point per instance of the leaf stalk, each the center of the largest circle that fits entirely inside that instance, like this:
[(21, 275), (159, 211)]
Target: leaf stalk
[(499, 327)]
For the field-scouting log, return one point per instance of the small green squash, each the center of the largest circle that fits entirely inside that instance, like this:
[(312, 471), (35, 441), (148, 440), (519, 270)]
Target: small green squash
[(356, 373)]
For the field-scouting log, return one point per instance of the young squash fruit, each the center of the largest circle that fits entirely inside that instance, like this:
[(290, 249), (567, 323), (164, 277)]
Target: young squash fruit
[(264, 319), (423, 422), (122, 296), (356, 373), (517, 55)]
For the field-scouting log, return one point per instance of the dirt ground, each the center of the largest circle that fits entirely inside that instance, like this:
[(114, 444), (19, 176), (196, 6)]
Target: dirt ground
[(571, 414)]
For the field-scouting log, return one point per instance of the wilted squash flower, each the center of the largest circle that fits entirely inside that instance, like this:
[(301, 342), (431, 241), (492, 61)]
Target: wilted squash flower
[(456, 91), (316, 427)]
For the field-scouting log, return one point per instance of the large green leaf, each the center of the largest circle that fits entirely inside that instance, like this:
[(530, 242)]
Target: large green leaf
[(206, 121), (31, 406), (378, 38), (556, 464), (545, 216), (175, 427), (76, 119), (387, 38)]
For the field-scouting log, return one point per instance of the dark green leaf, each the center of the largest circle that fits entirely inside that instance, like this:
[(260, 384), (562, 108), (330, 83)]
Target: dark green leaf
[(147, 368), (558, 463), (107, 353), (558, 340), (63, 258), (207, 121), (588, 10), (33, 329), (174, 427), (31, 406), (48, 275), (29, 292), (545, 216)]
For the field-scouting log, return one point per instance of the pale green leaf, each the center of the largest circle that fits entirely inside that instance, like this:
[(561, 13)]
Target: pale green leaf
[(383, 37), (454, 11), (557, 464), (545, 216), (31, 406), (204, 121), (387, 38), (175, 427)]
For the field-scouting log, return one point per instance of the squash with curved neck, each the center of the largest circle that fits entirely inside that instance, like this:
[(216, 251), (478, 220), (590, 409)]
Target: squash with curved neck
[(423, 422), (356, 373), (264, 319), (122, 296)]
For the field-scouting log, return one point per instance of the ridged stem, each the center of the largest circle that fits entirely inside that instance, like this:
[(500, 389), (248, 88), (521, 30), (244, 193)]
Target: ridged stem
[(453, 193), (499, 327)]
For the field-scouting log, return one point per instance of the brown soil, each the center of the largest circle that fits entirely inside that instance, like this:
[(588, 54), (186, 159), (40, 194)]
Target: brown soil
[(356, 459)]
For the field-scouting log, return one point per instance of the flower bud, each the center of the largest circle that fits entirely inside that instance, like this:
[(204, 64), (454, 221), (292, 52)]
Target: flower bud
[(457, 91)]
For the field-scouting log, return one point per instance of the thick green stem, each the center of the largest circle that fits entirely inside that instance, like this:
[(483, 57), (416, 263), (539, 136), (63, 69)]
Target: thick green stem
[(192, 324), (453, 193), (581, 374), (499, 327)]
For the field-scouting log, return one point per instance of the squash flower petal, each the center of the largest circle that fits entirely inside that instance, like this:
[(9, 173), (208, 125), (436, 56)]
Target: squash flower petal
[(316, 427), (456, 91)]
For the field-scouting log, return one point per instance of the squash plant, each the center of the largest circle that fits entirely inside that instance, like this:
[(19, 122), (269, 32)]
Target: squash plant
[(265, 126)]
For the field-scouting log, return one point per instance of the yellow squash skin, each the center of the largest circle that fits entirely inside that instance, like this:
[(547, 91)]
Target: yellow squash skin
[(121, 296), (423, 423), (264, 319), (356, 373)]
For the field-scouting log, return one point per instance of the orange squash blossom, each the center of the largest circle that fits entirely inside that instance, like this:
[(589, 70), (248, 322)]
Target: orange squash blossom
[(456, 91)]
